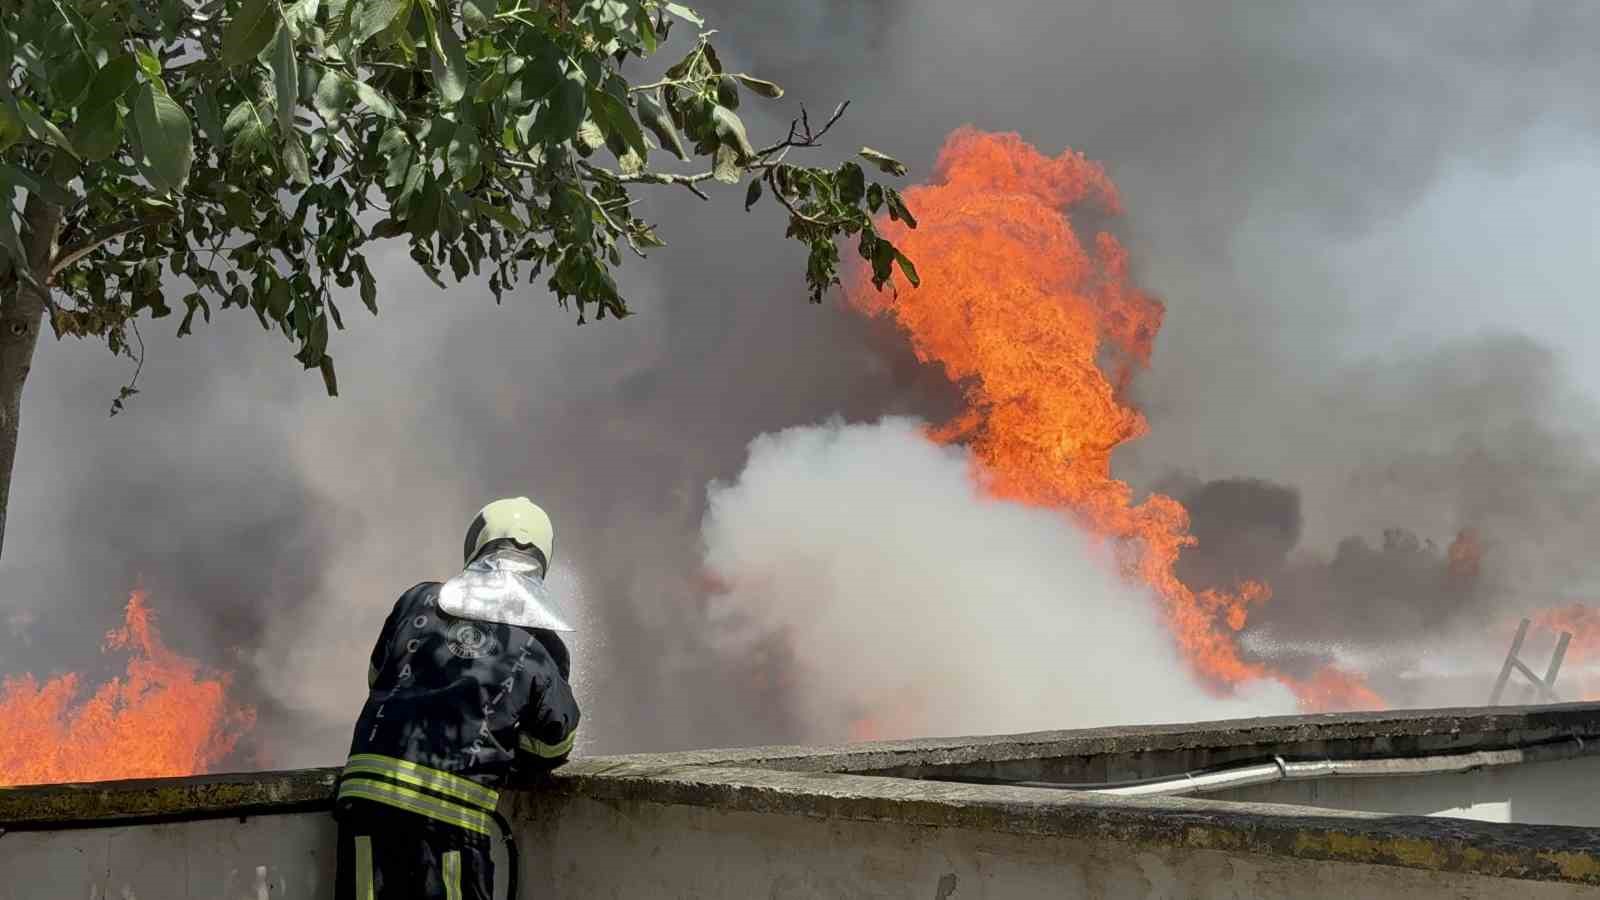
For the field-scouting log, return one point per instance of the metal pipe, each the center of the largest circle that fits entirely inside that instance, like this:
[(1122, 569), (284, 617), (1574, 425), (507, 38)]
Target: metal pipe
[(1281, 770)]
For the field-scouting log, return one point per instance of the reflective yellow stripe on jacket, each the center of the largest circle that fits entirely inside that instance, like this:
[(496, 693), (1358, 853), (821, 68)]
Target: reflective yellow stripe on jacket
[(549, 751), (464, 803), (467, 791)]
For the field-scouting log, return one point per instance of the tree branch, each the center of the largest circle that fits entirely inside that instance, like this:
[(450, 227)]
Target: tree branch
[(687, 181), (99, 238), (772, 182), (800, 133)]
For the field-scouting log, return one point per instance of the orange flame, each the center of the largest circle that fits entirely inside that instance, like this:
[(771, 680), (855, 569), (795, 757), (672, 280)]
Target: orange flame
[(1466, 556), (1583, 623), (163, 717), (1030, 320)]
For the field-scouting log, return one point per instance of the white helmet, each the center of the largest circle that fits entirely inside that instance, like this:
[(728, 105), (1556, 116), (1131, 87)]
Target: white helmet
[(507, 585), (517, 518)]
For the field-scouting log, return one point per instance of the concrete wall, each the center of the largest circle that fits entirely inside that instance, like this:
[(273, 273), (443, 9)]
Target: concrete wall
[(602, 850), (288, 857), (802, 822), (584, 848)]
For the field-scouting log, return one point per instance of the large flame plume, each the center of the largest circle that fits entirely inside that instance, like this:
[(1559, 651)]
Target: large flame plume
[(1043, 330), (163, 717)]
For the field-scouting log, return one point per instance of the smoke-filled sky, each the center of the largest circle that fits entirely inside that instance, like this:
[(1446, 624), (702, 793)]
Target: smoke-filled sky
[(1373, 225)]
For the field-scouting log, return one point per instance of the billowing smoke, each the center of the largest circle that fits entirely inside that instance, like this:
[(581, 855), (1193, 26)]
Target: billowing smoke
[(913, 604), (1333, 199)]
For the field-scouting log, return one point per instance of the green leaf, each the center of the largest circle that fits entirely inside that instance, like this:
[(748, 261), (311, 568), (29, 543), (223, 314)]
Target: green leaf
[(279, 298), (43, 186), (852, 183), (449, 62), (10, 239), (730, 130), (12, 128), (285, 79), (249, 32), (476, 14), (563, 110), (71, 82), (338, 19), (613, 117), (753, 194), (728, 91), (294, 158), (241, 122), (507, 219), (907, 268), (646, 29), (395, 150), (660, 124), (541, 75), (897, 207), (413, 182), (726, 168), (112, 81), (369, 287), (317, 342), (422, 216), (883, 257), (301, 16), (329, 379), (462, 157), (237, 205), (368, 17), (684, 13), (99, 131), (44, 129), (761, 86), (166, 136), (205, 109), (335, 93), (376, 101), (883, 161), (388, 228), (148, 61), (874, 197)]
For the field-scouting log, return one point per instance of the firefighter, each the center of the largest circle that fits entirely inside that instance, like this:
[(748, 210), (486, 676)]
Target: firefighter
[(468, 691)]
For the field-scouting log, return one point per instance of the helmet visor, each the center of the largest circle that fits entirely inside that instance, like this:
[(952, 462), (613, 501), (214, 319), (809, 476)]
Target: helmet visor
[(505, 587)]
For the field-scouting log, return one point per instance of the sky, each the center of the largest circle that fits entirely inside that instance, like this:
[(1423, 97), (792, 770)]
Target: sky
[(1373, 227)]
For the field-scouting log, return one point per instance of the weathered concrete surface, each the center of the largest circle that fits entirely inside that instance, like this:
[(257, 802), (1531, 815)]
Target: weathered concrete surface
[(198, 797), (793, 822), (1546, 853), (587, 848), (282, 857)]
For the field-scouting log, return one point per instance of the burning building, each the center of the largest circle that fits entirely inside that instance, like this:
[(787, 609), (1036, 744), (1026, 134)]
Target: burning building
[(1042, 331), (1040, 477)]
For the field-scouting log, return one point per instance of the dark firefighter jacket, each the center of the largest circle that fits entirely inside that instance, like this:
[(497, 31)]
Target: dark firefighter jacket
[(457, 707)]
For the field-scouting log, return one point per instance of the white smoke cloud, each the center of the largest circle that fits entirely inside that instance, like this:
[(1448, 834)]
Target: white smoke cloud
[(910, 597)]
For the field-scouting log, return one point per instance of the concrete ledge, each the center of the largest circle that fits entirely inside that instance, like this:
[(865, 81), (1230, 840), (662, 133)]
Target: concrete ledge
[(1533, 852), (1376, 733), (846, 783), (199, 797)]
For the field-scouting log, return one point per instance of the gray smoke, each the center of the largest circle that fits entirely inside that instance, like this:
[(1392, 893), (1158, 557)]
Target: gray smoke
[(919, 606), (1254, 143)]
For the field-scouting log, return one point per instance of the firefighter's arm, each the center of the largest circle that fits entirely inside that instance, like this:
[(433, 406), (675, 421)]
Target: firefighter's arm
[(550, 724)]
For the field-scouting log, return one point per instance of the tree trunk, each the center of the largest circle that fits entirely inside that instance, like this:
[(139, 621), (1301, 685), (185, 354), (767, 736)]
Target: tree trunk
[(21, 320)]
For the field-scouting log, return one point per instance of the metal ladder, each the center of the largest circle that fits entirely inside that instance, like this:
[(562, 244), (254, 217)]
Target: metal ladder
[(1546, 685)]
